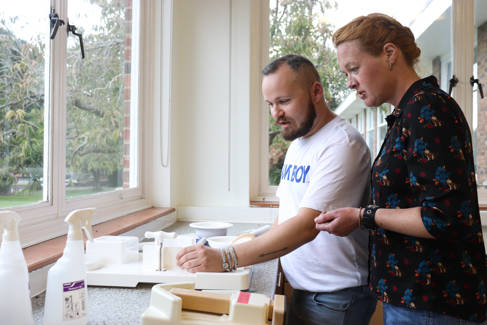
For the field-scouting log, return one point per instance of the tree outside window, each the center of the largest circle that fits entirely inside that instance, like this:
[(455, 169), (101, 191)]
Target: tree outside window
[(299, 27)]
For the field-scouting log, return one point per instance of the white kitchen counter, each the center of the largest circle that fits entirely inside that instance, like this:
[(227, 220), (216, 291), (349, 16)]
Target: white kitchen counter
[(125, 305)]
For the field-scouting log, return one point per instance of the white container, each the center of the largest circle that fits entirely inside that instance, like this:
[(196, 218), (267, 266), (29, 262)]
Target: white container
[(113, 249), (15, 304), (161, 255), (210, 228), (66, 293)]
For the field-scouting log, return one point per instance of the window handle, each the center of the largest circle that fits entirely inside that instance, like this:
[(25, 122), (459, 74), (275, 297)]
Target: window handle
[(479, 85), (453, 83), (72, 29), (55, 22)]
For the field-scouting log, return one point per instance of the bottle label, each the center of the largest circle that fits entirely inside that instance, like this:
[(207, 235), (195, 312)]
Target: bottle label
[(74, 300)]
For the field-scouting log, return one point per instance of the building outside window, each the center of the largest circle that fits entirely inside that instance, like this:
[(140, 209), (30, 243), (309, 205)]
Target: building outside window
[(370, 125), (382, 112)]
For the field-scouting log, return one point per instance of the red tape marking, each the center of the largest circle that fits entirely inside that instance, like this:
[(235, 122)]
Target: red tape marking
[(243, 297)]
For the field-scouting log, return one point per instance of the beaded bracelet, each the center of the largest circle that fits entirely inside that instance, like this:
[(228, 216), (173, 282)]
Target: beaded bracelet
[(225, 265), (359, 217), (229, 258), (235, 260)]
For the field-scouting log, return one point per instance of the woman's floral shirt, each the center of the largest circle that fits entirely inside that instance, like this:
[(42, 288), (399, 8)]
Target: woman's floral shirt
[(426, 160)]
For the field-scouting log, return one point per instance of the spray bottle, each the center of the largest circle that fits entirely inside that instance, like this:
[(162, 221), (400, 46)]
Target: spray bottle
[(66, 293), (15, 306)]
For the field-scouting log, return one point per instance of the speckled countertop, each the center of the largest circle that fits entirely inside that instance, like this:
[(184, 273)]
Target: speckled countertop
[(119, 306)]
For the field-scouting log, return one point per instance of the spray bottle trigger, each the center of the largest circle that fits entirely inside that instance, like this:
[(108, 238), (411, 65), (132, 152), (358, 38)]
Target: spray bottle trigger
[(77, 220)]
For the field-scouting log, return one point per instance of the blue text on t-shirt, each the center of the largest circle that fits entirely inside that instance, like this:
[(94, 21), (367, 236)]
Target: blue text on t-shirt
[(296, 173)]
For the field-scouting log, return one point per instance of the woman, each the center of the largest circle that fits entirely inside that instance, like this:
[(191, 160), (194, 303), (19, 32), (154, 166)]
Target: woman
[(427, 260)]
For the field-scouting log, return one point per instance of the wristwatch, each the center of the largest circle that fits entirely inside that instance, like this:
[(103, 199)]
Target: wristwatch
[(368, 217)]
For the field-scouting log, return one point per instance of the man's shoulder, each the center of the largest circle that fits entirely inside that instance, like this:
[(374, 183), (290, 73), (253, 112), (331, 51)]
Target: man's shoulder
[(339, 132)]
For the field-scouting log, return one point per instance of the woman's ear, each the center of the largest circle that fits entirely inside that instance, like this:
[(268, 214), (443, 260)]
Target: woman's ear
[(391, 52)]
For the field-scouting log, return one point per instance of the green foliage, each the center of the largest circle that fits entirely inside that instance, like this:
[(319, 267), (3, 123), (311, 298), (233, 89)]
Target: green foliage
[(94, 103), (21, 107), (6, 182), (95, 99), (300, 27)]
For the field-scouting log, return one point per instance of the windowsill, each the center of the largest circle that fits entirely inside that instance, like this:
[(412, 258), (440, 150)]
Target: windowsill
[(50, 251), (264, 204)]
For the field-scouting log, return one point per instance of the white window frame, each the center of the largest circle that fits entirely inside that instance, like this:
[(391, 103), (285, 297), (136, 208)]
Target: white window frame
[(45, 220), (260, 189), (463, 63)]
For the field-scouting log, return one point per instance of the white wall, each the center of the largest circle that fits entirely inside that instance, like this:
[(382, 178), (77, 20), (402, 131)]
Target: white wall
[(214, 49)]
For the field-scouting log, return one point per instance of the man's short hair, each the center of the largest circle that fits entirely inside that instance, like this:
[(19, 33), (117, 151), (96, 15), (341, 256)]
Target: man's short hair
[(298, 63)]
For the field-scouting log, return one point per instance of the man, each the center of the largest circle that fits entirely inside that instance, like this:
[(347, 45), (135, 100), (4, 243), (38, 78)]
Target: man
[(326, 166)]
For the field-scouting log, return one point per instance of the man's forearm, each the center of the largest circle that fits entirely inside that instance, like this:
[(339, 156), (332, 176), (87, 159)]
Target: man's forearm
[(279, 240)]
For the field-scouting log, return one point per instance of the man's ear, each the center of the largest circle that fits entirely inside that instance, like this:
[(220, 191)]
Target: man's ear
[(316, 91)]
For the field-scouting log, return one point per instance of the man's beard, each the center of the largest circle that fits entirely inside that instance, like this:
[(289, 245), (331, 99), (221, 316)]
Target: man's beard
[(303, 128)]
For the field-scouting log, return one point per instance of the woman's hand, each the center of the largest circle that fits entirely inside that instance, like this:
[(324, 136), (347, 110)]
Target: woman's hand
[(200, 258), (338, 222)]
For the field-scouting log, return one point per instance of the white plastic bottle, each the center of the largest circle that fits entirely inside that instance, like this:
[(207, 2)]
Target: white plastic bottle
[(15, 304), (66, 293)]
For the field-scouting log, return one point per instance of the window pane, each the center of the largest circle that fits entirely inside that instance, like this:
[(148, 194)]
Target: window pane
[(360, 122), (382, 112), (369, 139), (23, 33), (370, 118), (480, 104), (300, 27), (99, 97), (433, 36)]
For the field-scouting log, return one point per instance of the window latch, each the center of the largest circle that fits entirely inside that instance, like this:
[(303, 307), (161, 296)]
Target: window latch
[(479, 85), (55, 22), (72, 29), (453, 83)]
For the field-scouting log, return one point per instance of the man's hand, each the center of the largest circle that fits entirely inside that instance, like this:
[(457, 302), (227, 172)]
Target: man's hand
[(199, 258), (338, 222)]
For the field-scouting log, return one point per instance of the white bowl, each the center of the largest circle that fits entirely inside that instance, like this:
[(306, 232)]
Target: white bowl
[(210, 228), (220, 241)]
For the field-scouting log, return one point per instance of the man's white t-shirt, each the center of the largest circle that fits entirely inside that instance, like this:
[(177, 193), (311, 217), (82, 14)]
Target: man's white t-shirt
[(326, 171)]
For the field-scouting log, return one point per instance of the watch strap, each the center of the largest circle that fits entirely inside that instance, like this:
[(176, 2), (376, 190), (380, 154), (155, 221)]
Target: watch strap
[(368, 217)]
